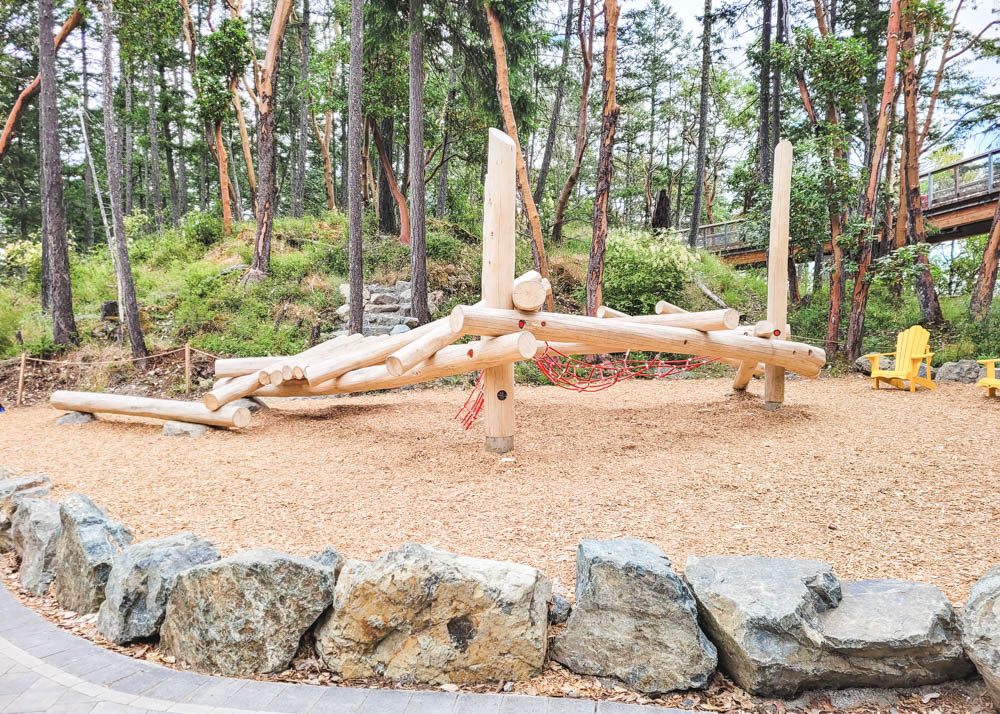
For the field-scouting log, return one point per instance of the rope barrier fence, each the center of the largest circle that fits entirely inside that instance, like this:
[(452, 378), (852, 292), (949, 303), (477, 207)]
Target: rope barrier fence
[(24, 359)]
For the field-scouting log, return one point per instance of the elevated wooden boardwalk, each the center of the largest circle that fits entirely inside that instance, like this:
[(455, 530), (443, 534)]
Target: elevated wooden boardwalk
[(958, 199)]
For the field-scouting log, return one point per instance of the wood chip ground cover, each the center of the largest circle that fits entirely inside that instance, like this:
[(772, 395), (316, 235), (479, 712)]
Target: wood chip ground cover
[(880, 484)]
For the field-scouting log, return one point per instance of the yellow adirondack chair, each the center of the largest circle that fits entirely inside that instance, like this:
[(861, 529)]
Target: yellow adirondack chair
[(911, 350), (990, 381)]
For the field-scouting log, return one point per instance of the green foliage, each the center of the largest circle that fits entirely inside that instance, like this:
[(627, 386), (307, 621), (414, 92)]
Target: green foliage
[(441, 246), (202, 228), (641, 269), (226, 53)]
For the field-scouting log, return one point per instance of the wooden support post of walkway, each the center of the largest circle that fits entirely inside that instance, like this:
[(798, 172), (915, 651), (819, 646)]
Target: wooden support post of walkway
[(498, 282), (777, 268)]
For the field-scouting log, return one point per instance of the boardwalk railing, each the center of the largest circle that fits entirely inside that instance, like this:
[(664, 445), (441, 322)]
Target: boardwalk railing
[(962, 180), (721, 237)]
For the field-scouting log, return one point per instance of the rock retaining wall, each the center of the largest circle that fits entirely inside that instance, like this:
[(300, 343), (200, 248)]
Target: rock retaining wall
[(419, 614)]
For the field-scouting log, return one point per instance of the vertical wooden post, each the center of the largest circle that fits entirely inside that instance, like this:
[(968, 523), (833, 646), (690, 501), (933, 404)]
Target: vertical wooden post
[(20, 380), (187, 367), (498, 282), (777, 268)]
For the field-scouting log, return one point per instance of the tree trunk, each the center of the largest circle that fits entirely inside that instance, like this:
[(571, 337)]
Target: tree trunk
[(859, 301), (129, 140), (524, 186), (26, 95), (388, 179), (605, 160), (324, 149), (88, 183), (699, 180), (982, 293), (267, 190), (113, 163), (245, 145), (387, 186), (182, 181), (168, 144), (442, 190), (764, 133), (661, 216), (354, 208), (418, 247), (154, 147), (543, 171), (930, 308), (54, 236), (587, 54), (299, 186), (221, 160)]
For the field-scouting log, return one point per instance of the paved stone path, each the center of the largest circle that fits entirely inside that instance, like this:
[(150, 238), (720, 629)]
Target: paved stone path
[(46, 669)]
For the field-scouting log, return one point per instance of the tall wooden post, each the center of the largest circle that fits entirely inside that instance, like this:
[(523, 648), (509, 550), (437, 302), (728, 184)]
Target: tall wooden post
[(777, 269), (187, 367), (498, 282), (20, 380)]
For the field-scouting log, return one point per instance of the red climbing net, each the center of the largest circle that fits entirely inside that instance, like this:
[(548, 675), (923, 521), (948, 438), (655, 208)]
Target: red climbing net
[(578, 376)]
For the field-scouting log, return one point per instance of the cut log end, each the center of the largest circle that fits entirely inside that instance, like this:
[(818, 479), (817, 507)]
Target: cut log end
[(529, 295), (394, 366)]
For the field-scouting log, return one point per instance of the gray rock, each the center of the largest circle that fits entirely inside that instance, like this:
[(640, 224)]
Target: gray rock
[(399, 329), (330, 558), (405, 295), (84, 553), (634, 620), (140, 582), (922, 372), (967, 371), (5, 473), (344, 310), (560, 610), (183, 428), (382, 309), (245, 614), (782, 626), (12, 490), (421, 614), (435, 299), (35, 531), (864, 365), (384, 299), (252, 403), (75, 418), (402, 286), (981, 630)]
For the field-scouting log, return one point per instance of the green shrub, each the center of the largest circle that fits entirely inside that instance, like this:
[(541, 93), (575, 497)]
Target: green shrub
[(443, 247), (202, 228), (641, 269)]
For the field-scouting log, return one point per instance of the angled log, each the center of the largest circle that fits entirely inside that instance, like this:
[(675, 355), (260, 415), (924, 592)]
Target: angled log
[(604, 312), (409, 356), (230, 390), (446, 362), (800, 358), (93, 402), (667, 308)]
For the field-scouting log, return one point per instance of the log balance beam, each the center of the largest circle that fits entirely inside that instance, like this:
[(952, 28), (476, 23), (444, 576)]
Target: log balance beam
[(96, 402)]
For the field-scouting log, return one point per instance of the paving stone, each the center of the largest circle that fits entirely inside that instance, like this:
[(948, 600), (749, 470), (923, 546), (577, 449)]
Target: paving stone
[(142, 680), (385, 701), (177, 688), (112, 672), (297, 698), (521, 704), (256, 695), (17, 683), (340, 700), (571, 706), (39, 697), (478, 704), (431, 703), (215, 692)]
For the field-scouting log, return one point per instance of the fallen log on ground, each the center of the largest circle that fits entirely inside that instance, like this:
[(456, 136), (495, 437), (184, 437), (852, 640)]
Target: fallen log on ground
[(96, 402)]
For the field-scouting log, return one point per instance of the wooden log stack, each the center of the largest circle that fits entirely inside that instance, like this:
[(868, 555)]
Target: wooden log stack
[(510, 326)]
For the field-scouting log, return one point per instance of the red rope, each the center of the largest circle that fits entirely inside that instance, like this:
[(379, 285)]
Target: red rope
[(573, 374)]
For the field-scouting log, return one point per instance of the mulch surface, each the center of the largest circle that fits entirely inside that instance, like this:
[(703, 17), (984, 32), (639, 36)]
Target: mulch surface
[(879, 484)]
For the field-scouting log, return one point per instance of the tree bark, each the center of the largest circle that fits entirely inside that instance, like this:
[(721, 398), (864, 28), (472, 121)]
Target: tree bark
[(982, 293), (388, 179), (661, 216), (764, 133), (442, 189), (299, 185), (324, 149), (524, 186), (182, 179), (605, 160), (699, 181), (129, 140), (156, 197), (859, 300), (930, 308), (550, 140), (587, 55), (54, 236), (29, 92), (418, 246), (113, 163), (387, 184), (354, 207), (267, 190), (168, 145), (88, 182)]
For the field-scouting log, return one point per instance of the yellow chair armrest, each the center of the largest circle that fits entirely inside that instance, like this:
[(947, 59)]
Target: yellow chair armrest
[(876, 355), (925, 356), (988, 362)]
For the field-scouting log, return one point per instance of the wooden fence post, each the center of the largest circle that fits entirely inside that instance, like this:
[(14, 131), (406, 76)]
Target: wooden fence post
[(187, 367), (498, 282), (20, 380), (777, 268)]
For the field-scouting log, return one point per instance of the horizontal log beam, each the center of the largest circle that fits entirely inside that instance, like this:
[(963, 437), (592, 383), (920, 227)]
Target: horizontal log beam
[(556, 327), (96, 402), (409, 356), (446, 362)]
